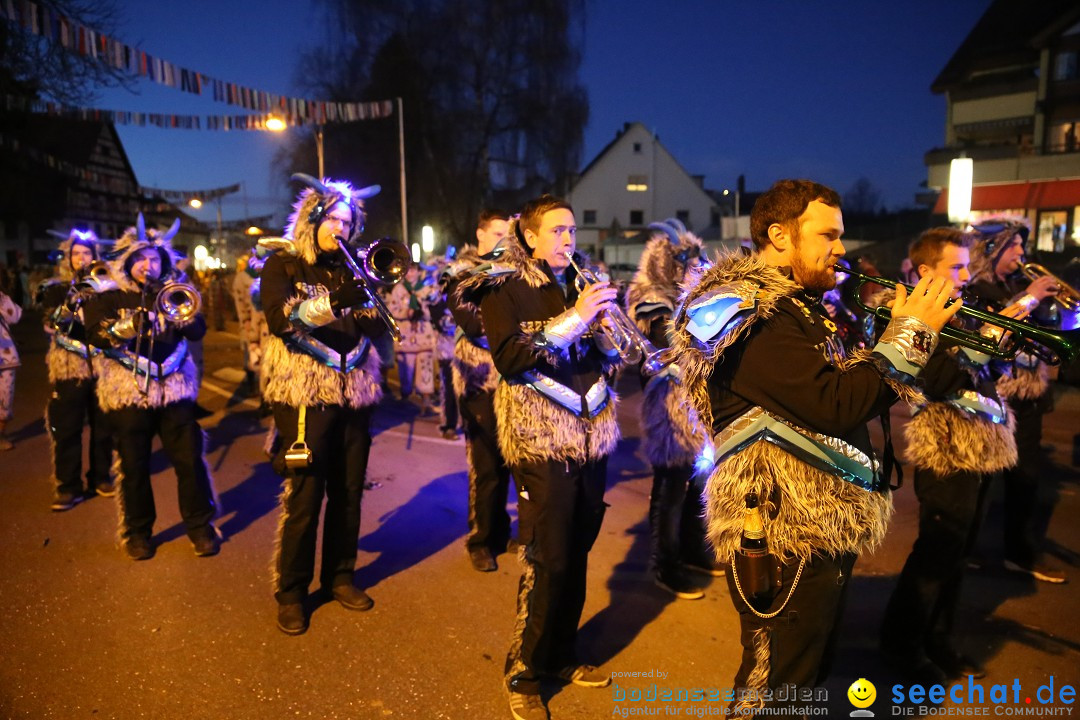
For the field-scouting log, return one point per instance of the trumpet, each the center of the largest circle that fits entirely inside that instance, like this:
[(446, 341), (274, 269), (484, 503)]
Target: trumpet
[(1067, 297), (621, 331), (95, 278), (177, 302), (1052, 347), (382, 263)]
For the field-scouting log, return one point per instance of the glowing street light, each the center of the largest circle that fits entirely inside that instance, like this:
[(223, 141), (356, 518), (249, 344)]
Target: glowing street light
[(195, 203), (961, 172), (252, 230), (275, 124), (416, 252), (427, 238)]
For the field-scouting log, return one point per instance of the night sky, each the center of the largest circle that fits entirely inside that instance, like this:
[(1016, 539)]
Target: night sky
[(831, 91)]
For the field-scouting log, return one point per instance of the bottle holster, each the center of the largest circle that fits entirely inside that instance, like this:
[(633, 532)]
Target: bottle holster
[(758, 576), (299, 454)]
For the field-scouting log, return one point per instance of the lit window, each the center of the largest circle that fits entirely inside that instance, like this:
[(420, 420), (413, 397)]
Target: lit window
[(637, 183)]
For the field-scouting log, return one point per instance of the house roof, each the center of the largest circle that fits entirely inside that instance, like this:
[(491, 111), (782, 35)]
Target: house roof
[(1010, 33)]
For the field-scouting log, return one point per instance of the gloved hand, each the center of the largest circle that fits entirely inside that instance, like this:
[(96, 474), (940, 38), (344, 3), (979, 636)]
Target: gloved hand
[(351, 293)]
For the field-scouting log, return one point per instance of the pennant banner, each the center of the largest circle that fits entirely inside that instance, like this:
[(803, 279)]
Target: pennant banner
[(44, 22), (185, 195)]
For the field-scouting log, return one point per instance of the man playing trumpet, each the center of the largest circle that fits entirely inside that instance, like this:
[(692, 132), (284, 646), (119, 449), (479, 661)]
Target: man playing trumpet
[(556, 424)]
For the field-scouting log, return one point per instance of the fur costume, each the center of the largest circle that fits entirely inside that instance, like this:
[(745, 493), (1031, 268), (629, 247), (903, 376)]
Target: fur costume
[(474, 370), (61, 363), (672, 435), (531, 426), (806, 510)]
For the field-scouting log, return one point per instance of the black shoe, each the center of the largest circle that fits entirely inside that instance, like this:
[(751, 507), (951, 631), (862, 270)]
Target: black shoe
[(954, 664), (449, 434), (482, 560), (351, 597), (138, 548), (588, 676), (206, 543), (676, 583), (291, 619), (528, 707), (1039, 572), (106, 489), (65, 501)]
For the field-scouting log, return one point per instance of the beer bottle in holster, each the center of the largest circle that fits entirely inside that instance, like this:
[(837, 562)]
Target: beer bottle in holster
[(757, 569)]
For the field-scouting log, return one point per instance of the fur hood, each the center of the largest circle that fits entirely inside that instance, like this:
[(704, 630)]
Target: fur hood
[(990, 240), (660, 272), (314, 202), (64, 271), (516, 262), (139, 238)]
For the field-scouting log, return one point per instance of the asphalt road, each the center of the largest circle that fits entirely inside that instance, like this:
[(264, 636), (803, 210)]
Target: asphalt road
[(86, 633)]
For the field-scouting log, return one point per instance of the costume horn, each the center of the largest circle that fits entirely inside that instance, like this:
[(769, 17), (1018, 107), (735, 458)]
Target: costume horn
[(311, 182)]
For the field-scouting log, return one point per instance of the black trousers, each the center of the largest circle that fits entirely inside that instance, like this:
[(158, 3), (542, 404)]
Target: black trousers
[(340, 440), (801, 639), (74, 403), (921, 610), (675, 517), (1021, 540), (489, 478), (182, 439), (449, 399), (560, 508)]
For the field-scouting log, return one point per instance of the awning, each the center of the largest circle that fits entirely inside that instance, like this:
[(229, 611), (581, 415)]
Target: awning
[(1019, 196)]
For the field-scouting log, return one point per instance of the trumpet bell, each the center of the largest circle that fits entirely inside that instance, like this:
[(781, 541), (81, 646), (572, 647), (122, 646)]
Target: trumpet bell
[(178, 302), (385, 261)]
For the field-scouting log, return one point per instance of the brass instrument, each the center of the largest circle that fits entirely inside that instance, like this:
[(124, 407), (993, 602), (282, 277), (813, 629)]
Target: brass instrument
[(1052, 347), (382, 263), (176, 302), (1067, 297), (621, 331), (95, 278)]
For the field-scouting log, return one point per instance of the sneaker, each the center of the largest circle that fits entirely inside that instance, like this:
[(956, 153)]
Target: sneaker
[(291, 619), (351, 597), (588, 676), (482, 560), (704, 567), (676, 584), (1039, 572), (207, 543), (138, 548), (65, 501), (528, 707), (106, 489)]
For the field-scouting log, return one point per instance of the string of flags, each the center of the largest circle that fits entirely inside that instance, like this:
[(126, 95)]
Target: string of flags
[(184, 195), (46, 23), (112, 183)]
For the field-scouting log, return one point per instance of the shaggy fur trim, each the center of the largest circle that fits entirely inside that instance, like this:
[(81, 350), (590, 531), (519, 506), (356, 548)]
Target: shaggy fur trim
[(907, 393), (297, 379), (66, 365), (532, 272), (1025, 383), (658, 273), (533, 428), (758, 679), (514, 663), (128, 244), (671, 434), (805, 510), (474, 370), (119, 387), (697, 362), (947, 440), (283, 515)]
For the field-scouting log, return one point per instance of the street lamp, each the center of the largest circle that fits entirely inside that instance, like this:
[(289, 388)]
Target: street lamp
[(427, 239), (195, 203), (961, 172), (275, 124)]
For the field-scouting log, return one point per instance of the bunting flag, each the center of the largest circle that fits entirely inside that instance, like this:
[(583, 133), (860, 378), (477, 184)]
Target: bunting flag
[(161, 120), (185, 195), (44, 22)]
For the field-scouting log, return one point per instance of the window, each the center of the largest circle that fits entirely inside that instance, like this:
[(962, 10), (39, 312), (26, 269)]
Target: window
[(1065, 65), (589, 217), (637, 183), (637, 148), (1053, 226), (637, 217), (683, 216)]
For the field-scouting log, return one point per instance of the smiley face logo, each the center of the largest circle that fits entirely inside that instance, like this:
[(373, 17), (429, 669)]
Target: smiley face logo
[(862, 693)]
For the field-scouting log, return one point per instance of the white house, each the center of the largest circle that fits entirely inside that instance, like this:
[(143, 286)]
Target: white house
[(632, 182)]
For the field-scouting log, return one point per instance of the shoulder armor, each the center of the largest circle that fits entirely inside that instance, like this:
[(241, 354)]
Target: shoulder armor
[(720, 312), (277, 244)]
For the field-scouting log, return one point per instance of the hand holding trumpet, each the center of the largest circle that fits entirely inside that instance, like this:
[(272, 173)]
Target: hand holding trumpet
[(594, 299), (928, 301)]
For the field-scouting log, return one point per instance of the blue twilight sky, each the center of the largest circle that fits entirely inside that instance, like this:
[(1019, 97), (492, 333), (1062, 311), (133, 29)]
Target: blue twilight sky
[(773, 88)]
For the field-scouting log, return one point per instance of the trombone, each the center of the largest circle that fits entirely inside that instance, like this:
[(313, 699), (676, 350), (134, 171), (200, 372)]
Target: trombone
[(1052, 347), (177, 302), (1067, 297), (384, 263), (621, 331)]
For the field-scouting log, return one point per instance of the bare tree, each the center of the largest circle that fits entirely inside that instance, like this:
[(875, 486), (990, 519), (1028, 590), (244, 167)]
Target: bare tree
[(33, 66), (494, 111), (862, 199)]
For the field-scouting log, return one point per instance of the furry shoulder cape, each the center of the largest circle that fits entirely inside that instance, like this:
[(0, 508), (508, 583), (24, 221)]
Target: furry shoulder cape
[(807, 511)]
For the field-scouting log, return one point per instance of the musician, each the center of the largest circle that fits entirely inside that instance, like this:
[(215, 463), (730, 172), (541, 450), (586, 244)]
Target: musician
[(129, 326), (474, 380), (998, 284), (556, 425), (322, 381), (671, 436), (768, 375), (69, 359), (959, 437)]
